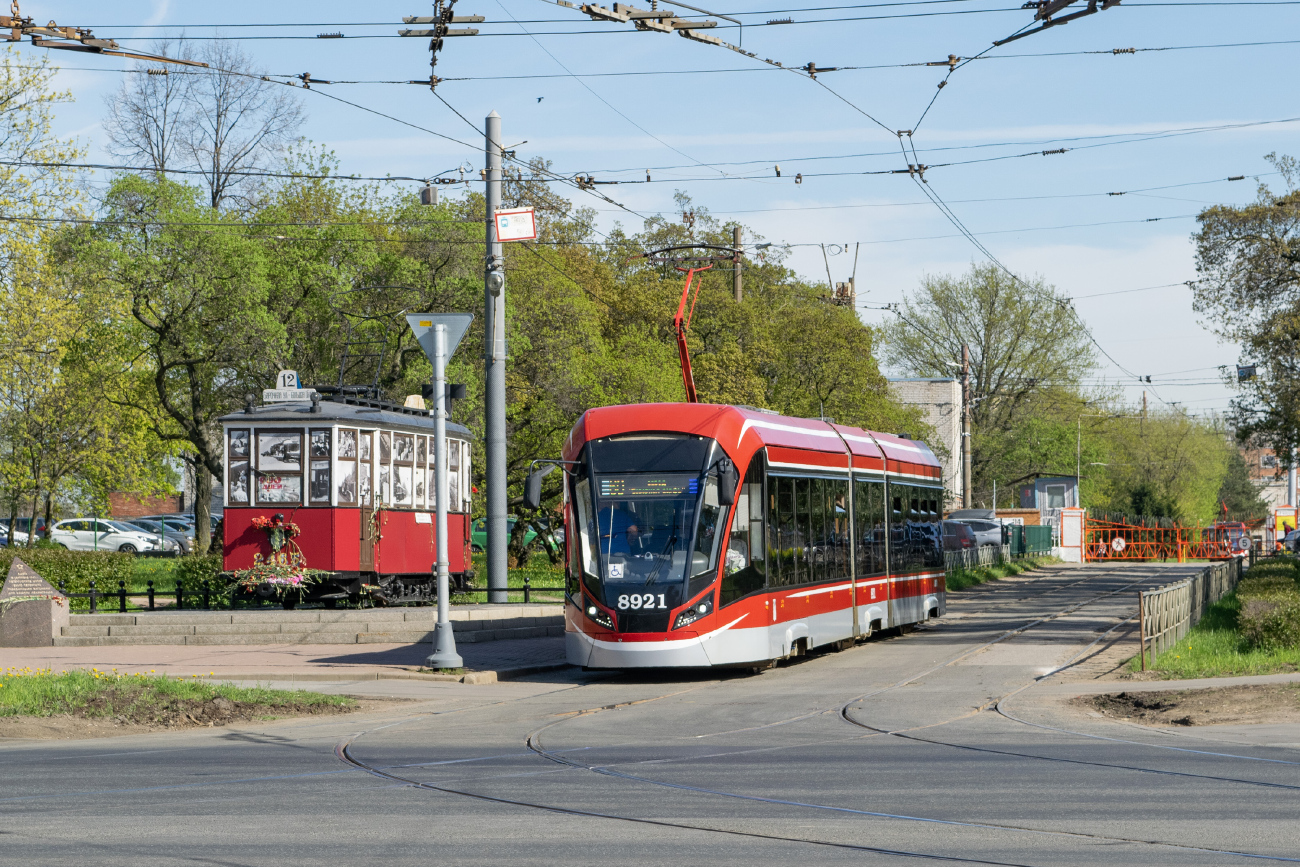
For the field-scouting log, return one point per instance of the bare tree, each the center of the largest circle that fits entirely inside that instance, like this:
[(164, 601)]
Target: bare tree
[(226, 122), (241, 121), (149, 117)]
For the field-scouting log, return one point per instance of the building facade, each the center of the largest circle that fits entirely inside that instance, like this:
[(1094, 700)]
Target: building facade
[(940, 403)]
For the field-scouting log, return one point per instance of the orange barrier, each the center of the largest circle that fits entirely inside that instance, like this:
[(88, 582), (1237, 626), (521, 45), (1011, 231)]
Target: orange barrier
[(1111, 540)]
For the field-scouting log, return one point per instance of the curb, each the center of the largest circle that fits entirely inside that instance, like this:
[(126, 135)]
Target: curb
[(472, 677)]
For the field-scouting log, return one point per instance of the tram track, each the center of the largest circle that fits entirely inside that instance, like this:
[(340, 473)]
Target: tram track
[(534, 743)]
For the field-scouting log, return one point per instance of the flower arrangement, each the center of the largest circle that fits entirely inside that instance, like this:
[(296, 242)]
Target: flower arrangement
[(278, 575), (278, 529)]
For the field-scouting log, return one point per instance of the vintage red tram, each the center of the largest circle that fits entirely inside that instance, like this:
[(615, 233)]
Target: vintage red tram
[(706, 535), (356, 475)]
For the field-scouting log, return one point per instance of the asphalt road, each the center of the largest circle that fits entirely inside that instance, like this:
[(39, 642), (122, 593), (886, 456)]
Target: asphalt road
[(892, 752)]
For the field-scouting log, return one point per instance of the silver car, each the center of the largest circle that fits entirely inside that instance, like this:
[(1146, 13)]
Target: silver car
[(986, 532)]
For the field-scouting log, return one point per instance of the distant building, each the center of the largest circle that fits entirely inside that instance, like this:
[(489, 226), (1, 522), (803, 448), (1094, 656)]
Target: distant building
[(1266, 471), (128, 505), (940, 403), (1049, 493)]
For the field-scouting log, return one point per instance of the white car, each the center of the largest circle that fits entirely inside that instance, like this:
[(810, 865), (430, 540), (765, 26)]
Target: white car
[(88, 534)]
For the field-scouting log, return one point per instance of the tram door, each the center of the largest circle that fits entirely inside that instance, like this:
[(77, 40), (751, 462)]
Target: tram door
[(365, 494), (367, 562)]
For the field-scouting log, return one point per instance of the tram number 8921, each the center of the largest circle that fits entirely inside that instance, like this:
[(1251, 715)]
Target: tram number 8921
[(638, 600)]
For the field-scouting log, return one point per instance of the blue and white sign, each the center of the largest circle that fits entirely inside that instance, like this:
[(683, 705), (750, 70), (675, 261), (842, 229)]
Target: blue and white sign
[(516, 224)]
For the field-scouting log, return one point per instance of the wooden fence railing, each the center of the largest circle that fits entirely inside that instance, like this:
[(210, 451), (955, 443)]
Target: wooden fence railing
[(1168, 613)]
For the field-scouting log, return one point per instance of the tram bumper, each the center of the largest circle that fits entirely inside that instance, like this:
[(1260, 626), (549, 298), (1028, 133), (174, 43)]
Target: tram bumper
[(685, 651)]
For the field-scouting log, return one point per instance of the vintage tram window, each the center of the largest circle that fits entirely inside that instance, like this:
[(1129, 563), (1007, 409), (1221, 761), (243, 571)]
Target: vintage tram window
[(239, 474), (347, 467), (365, 471), (239, 471), (403, 486), (453, 476), (385, 447), (318, 479), (347, 443), (320, 443), (744, 570), (421, 449), (279, 467), (403, 448)]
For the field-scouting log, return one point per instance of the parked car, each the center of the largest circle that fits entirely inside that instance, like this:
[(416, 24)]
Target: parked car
[(478, 533), (175, 542), (957, 536), (20, 528), (173, 523), (986, 532), (89, 534), (1291, 541)]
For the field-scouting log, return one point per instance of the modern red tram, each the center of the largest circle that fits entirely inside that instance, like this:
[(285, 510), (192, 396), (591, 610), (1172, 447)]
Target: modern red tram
[(356, 476), (706, 535)]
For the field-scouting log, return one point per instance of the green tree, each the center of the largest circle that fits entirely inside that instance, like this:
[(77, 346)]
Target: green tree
[(1248, 259), (1028, 356), (201, 332)]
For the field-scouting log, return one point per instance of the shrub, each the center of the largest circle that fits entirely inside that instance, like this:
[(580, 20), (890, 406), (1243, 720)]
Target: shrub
[(75, 569), (192, 571), (1270, 605)]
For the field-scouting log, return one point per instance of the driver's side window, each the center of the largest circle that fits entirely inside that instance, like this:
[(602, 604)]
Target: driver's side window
[(744, 565)]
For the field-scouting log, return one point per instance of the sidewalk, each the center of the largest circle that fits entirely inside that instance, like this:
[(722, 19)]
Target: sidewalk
[(484, 662)]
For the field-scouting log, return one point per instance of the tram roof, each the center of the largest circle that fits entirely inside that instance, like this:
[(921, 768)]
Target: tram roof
[(742, 430), (353, 412)]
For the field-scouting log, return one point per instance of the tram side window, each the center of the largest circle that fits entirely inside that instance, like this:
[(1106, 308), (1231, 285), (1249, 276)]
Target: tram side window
[(869, 509), (347, 461), (785, 557), (744, 571), (933, 553), (837, 519)]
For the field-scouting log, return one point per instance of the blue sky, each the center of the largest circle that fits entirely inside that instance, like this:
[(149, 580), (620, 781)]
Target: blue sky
[(714, 124)]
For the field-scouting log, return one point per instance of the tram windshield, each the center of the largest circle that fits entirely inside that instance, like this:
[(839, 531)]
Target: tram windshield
[(646, 535)]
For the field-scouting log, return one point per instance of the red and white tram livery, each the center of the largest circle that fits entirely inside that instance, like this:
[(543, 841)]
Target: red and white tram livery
[(706, 535)]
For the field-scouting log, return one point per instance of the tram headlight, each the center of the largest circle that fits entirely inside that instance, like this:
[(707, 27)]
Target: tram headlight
[(598, 616), (694, 613)]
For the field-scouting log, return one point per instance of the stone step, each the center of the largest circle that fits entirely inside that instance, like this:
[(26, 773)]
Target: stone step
[(425, 614), (323, 637)]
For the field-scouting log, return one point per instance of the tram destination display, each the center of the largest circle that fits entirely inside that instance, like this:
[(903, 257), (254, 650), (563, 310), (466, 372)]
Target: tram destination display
[(642, 485)]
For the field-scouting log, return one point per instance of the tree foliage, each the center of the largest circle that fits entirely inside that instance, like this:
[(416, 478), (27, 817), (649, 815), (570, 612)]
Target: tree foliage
[(1248, 259)]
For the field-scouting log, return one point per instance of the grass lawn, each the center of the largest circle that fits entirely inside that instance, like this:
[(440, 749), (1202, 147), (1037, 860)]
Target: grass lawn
[(1214, 648), (144, 698), (964, 579), (546, 581)]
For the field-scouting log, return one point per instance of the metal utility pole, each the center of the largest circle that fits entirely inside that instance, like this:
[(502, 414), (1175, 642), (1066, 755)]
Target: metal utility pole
[(494, 346), (965, 427), (444, 640), (737, 281)]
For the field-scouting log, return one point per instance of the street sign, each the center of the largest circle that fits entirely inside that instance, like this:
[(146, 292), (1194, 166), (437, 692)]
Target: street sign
[(424, 323), (516, 224), (1118, 544), (288, 389)]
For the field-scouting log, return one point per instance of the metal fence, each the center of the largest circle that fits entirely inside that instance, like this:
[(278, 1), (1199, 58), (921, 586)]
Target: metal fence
[(122, 599), (1168, 613), (985, 555)]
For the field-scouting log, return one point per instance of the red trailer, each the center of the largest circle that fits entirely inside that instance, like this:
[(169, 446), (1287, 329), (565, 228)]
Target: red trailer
[(706, 535), (356, 476)]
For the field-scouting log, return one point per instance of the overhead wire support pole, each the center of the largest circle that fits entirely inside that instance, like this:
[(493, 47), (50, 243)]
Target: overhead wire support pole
[(494, 346), (441, 18), (966, 428)]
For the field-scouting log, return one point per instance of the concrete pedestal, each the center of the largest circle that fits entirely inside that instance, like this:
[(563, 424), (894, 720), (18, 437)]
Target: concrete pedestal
[(33, 623)]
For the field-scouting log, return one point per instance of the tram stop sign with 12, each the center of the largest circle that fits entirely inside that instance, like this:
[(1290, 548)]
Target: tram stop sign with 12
[(516, 224)]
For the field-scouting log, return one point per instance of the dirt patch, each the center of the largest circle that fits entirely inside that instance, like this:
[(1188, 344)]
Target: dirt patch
[(1262, 703), (176, 715)]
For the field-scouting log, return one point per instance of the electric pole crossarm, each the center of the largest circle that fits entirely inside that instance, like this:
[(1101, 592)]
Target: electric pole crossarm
[(73, 39)]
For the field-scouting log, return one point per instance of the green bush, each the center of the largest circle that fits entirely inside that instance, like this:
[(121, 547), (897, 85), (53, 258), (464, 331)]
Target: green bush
[(191, 572), (1269, 618), (75, 569)]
